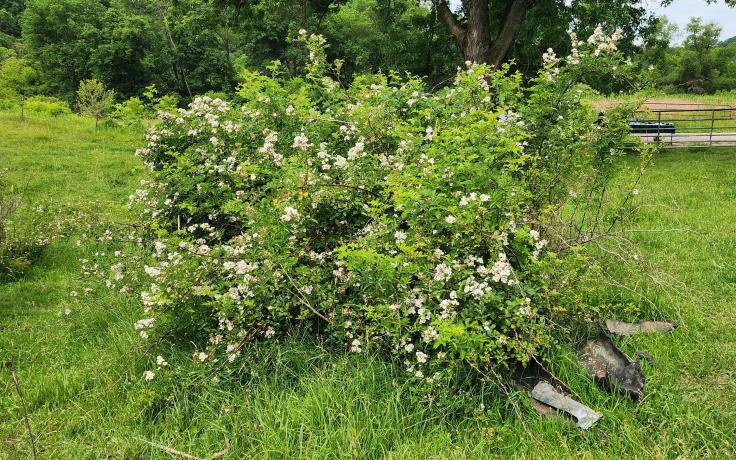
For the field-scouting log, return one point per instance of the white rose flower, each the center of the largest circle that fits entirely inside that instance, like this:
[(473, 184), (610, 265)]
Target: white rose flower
[(290, 214)]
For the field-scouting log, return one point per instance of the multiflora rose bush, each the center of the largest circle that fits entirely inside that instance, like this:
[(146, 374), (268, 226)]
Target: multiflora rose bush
[(27, 228), (381, 215)]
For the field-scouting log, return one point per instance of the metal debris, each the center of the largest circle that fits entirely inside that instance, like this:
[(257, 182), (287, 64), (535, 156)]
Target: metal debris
[(646, 356), (546, 393), (528, 376), (622, 328), (525, 378), (612, 368)]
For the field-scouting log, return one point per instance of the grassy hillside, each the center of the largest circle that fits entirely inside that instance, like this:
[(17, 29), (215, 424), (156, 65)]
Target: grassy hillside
[(81, 373)]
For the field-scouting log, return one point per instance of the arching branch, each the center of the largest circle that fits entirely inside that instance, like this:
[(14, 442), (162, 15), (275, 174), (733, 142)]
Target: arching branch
[(512, 21), (451, 21)]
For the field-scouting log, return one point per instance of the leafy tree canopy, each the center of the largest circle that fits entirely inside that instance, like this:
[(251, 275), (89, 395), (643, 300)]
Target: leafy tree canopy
[(190, 47)]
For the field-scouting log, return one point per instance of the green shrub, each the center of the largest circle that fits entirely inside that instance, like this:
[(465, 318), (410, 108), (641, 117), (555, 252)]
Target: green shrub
[(19, 79), (383, 216), (6, 53), (47, 106), (156, 103), (25, 231), (167, 103), (7, 103), (128, 112), (94, 100)]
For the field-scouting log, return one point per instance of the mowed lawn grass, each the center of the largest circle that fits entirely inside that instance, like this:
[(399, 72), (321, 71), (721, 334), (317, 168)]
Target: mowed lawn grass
[(82, 374)]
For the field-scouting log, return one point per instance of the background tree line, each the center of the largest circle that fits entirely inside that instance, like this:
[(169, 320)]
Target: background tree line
[(700, 64), (188, 47)]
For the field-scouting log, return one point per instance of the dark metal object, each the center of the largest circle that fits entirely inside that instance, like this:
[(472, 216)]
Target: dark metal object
[(651, 127), (646, 356), (611, 368), (527, 377)]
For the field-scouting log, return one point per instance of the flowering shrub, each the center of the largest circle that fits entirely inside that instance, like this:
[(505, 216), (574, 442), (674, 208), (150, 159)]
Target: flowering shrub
[(382, 215), (24, 231)]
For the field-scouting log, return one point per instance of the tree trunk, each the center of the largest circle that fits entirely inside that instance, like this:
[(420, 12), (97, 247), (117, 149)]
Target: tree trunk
[(177, 67), (474, 37), (513, 18), (477, 43)]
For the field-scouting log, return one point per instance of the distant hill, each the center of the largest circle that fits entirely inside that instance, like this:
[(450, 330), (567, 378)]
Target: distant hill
[(729, 41)]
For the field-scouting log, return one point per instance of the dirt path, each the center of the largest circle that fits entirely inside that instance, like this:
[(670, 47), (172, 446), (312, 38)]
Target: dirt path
[(692, 139)]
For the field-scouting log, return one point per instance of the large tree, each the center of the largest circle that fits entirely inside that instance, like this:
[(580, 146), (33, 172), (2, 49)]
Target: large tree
[(133, 51), (487, 30), (401, 35), (472, 29), (269, 25), (61, 36), (701, 64), (10, 12)]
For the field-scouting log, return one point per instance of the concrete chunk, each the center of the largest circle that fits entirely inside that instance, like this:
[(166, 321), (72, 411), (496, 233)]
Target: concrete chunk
[(546, 393), (623, 328)]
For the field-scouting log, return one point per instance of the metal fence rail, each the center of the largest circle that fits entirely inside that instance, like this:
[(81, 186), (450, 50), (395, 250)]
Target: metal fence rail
[(701, 127)]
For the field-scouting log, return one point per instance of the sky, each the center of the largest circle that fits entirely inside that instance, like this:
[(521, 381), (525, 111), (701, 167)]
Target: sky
[(680, 12)]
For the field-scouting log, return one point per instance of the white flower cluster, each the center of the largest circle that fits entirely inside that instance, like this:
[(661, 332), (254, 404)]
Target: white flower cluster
[(143, 324), (442, 273), (549, 57), (397, 161), (269, 147), (301, 142), (357, 151), (473, 196), (502, 270), (604, 43), (330, 161), (539, 243), (153, 272), (290, 214), (240, 268), (448, 307), (233, 351), (477, 289), (203, 105)]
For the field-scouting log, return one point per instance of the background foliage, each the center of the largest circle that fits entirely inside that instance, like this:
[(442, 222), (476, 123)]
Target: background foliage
[(190, 47)]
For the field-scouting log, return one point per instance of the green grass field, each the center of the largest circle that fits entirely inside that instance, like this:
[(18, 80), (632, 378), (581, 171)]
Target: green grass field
[(81, 373)]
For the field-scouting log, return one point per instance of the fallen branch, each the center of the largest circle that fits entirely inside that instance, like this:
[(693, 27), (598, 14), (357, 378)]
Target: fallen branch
[(300, 296), (178, 453), (11, 368)]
